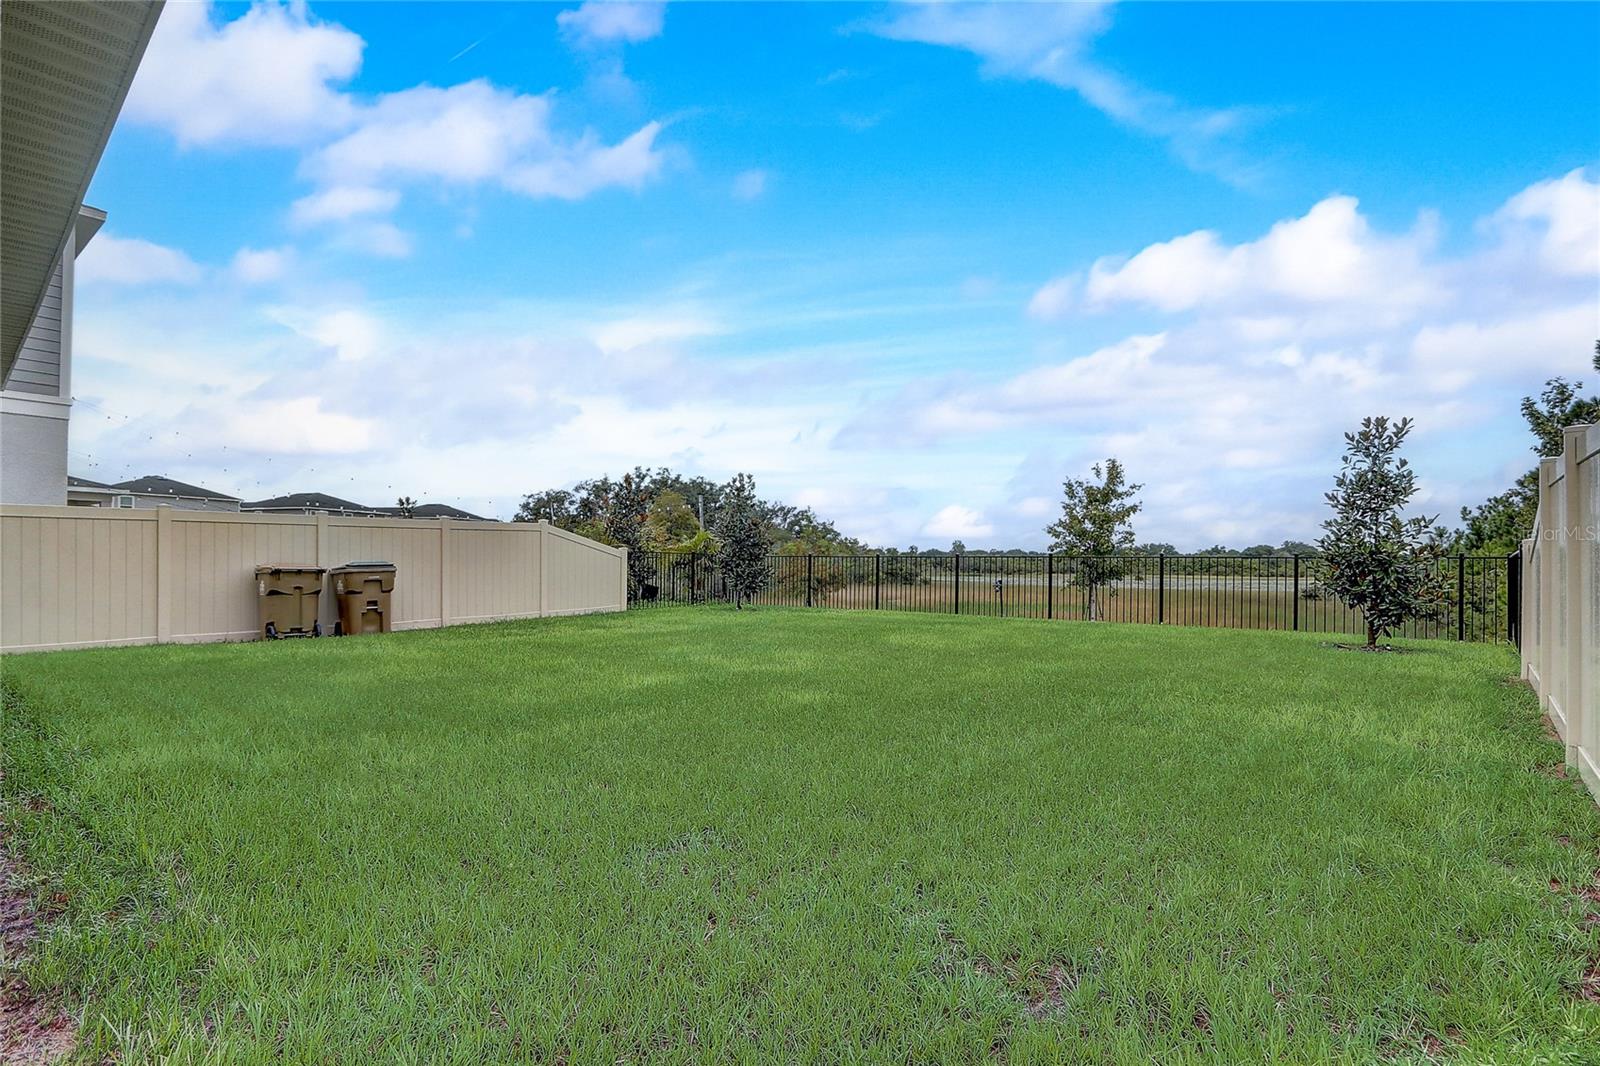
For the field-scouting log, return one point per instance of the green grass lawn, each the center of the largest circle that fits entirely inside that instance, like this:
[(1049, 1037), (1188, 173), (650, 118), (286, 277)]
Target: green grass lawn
[(790, 836)]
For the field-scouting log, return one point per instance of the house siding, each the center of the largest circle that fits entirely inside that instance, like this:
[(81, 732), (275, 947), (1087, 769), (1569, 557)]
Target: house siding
[(38, 366), (181, 503)]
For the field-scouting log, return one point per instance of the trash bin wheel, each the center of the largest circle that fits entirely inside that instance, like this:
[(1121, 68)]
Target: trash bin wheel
[(338, 629), (272, 631)]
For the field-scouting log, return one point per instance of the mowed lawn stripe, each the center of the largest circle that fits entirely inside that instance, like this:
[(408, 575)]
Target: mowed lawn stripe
[(789, 835)]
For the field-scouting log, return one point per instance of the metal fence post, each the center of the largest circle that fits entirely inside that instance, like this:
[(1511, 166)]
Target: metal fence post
[(1049, 584), (1161, 589), (958, 584), (877, 581), (808, 579), (1461, 597), (1513, 599), (1296, 593)]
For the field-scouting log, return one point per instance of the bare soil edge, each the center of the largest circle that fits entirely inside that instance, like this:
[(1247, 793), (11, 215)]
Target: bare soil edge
[(34, 1029)]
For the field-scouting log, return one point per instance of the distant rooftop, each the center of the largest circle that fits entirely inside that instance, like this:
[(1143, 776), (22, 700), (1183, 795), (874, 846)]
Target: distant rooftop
[(435, 510), (311, 501), (165, 486)]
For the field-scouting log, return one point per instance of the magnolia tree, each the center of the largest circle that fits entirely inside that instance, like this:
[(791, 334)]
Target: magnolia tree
[(744, 540), (623, 507), (1381, 563), (1094, 526)]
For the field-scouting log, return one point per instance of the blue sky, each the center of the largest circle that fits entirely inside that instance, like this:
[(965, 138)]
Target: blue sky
[(911, 265)]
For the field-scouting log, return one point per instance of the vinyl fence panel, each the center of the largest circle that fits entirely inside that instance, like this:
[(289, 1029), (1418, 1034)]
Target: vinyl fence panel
[(1561, 608), (76, 577)]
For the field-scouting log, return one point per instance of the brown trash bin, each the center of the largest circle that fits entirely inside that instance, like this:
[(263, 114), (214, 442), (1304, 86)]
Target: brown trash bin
[(362, 592), (286, 601)]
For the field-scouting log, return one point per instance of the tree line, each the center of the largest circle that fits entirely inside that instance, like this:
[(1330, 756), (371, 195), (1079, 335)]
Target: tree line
[(1379, 559)]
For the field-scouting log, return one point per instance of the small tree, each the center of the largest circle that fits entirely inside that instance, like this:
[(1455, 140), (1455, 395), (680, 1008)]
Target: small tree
[(670, 520), (745, 541), (406, 506), (1094, 526), (1379, 562), (556, 506), (1498, 525), (623, 508)]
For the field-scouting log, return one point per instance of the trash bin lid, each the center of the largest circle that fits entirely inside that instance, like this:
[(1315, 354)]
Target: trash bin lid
[(368, 565), (287, 568)]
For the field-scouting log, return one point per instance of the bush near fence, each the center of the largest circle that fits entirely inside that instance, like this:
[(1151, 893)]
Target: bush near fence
[(1245, 592), (1560, 618)]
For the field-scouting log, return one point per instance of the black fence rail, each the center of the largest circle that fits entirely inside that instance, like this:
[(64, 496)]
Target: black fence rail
[(1285, 592)]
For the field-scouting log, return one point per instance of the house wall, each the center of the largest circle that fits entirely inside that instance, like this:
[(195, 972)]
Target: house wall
[(36, 401), (1561, 599), (75, 577), (33, 451), (182, 503)]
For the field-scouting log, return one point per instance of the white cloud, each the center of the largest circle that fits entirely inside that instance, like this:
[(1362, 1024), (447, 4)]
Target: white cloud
[(573, 170), (267, 77), (1329, 256), (1565, 217), (295, 426), (477, 132), (1454, 354), (259, 265), (465, 133), (352, 334), (1054, 298), (384, 240), (957, 523), (132, 261), (749, 185), (1052, 43), (341, 203), (639, 331), (599, 22)]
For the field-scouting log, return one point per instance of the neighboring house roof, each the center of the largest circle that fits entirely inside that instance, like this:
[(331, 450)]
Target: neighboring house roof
[(309, 501), (165, 486), (85, 483), (67, 70), (436, 510)]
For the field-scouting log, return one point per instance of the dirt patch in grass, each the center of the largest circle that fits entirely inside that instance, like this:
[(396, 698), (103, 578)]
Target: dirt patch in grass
[(1588, 986), (1433, 1047), (33, 1027), (1048, 994)]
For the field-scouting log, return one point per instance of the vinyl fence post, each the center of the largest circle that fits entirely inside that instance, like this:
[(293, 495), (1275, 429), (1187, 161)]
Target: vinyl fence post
[(808, 580), (1297, 593), (166, 567), (1461, 597), (1049, 584), (877, 581), (958, 584)]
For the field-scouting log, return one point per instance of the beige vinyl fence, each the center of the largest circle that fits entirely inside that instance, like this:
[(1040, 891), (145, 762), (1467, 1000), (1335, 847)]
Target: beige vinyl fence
[(78, 577), (1561, 599)]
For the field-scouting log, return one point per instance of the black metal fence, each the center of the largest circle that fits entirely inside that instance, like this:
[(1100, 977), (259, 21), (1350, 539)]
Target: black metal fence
[(1240, 592)]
